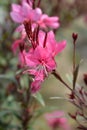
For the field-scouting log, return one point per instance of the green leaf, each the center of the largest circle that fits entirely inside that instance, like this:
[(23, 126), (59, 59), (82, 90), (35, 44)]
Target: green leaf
[(17, 114), (59, 98), (75, 74), (39, 98)]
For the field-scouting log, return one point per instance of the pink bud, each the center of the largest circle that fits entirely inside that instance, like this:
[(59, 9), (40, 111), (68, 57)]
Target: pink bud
[(74, 36)]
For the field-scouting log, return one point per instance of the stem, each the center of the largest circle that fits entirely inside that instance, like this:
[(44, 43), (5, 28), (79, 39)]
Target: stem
[(26, 115), (74, 63), (74, 55), (74, 36), (61, 80), (33, 4), (44, 44), (39, 1)]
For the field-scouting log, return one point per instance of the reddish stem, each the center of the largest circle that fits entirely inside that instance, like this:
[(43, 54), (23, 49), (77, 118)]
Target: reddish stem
[(44, 44)]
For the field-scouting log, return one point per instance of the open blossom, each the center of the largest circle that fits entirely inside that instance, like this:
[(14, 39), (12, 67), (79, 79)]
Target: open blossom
[(46, 21), (56, 119), (41, 60), (41, 63), (42, 57), (23, 12)]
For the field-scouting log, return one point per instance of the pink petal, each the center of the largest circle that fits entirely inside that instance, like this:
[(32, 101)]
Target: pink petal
[(26, 9), (35, 86), (41, 37), (20, 28), (16, 8), (15, 45), (16, 17), (51, 65), (60, 46)]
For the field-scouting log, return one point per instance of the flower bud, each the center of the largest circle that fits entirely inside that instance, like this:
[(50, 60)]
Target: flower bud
[(74, 36)]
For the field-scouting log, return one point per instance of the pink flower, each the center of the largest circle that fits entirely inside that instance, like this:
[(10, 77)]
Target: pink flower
[(40, 63), (46, 21), (23, 12), (56, 119), (40, 59)]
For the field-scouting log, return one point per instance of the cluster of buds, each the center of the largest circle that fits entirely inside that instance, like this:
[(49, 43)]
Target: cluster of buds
[(79, 99), (37, 48)]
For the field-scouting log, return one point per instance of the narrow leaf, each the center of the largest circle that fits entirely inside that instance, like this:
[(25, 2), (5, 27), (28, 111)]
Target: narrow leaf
[(60, 98), (75, 74), (39, 98)]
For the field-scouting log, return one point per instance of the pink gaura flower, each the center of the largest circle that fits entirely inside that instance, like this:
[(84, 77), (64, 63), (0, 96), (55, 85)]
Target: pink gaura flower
[(46, 21), (23, 12), (41, 59), (56, 119)]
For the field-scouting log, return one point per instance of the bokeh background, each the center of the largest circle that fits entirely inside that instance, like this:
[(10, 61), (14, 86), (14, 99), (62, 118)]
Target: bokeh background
[(73, 18)]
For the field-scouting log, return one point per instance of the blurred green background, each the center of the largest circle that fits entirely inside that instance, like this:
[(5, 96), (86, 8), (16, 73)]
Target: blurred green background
[(72, 14)]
